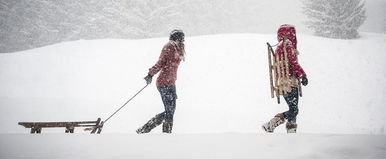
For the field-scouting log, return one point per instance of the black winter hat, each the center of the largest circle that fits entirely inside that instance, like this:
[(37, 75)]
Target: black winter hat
[(176, 35)]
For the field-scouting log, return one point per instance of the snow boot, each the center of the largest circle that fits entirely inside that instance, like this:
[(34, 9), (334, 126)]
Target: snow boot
[(291, 127), (167, 127), (273, 123), (151, 124)]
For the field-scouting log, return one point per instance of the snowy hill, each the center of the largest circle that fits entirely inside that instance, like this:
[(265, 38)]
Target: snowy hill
[(222, 86), (223, 98)]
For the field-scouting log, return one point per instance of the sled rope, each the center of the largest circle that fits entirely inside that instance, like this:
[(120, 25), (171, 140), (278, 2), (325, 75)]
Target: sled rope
[(124, 104)]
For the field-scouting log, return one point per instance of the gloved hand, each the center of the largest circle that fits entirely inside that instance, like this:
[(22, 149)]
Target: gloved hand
[(148, 79), (304, 81)]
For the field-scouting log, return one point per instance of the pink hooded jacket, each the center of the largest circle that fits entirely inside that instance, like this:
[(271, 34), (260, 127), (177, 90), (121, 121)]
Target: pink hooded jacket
[(288, 32)]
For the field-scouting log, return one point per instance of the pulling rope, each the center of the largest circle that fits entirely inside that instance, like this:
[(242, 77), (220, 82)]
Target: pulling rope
[(124, 105)]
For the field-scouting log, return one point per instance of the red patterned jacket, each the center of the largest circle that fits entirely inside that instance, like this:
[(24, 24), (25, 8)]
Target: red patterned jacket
[(288, 31), (168, 63)]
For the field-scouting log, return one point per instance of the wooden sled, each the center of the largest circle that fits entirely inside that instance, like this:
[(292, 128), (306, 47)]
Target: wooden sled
[(93, 126), (279, 73)]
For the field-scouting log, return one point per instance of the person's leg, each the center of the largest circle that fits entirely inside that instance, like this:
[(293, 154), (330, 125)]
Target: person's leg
[(152, 123), (168, 123), (274, 122), (292, 99), (169, 96)]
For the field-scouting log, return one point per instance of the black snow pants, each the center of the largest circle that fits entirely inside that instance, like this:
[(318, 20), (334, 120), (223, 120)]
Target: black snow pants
[(292, 99), (169, 96)]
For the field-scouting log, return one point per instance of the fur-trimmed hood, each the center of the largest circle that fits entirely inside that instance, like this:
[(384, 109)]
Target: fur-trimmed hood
[(288, 31)]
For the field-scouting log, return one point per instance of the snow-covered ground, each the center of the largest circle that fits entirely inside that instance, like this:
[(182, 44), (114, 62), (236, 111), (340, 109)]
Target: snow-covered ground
[(223, 98), (192, 146), (222, 87)]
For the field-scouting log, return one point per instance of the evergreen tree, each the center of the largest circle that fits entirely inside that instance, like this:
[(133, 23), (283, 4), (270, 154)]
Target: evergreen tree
[(334, 18)]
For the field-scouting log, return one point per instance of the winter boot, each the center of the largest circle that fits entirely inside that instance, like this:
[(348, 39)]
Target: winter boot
[(291, 127), (167, 127), (151, 124), (273, 123)]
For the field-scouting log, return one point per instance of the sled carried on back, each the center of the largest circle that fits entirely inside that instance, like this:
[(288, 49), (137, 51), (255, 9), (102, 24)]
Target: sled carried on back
[(279, 74)]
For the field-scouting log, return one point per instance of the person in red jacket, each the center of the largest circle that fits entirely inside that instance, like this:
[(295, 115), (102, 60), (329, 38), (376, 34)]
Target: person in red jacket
[(286, 35), (172, 54)]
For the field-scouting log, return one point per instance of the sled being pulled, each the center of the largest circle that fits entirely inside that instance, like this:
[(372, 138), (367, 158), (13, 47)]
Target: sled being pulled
[(93, 126)]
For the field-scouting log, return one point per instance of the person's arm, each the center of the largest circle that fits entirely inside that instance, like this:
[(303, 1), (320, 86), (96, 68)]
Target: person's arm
[(293, 61), (161, 61)]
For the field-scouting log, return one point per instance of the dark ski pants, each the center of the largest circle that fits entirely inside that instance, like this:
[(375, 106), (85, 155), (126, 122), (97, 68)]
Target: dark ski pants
[(292, 99), (168, 96)]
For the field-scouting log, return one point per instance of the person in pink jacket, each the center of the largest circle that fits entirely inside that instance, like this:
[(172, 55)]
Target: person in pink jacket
[(167, 65), (286, 35)]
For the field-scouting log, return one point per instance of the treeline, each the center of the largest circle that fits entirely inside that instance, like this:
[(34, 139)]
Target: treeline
[(27, 24)]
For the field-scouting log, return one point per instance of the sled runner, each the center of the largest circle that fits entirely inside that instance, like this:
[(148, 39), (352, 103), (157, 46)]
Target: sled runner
[(93, 126)]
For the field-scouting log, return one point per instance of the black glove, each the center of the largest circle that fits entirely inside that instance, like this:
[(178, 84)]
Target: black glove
[(148, 79), (304, 81)]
